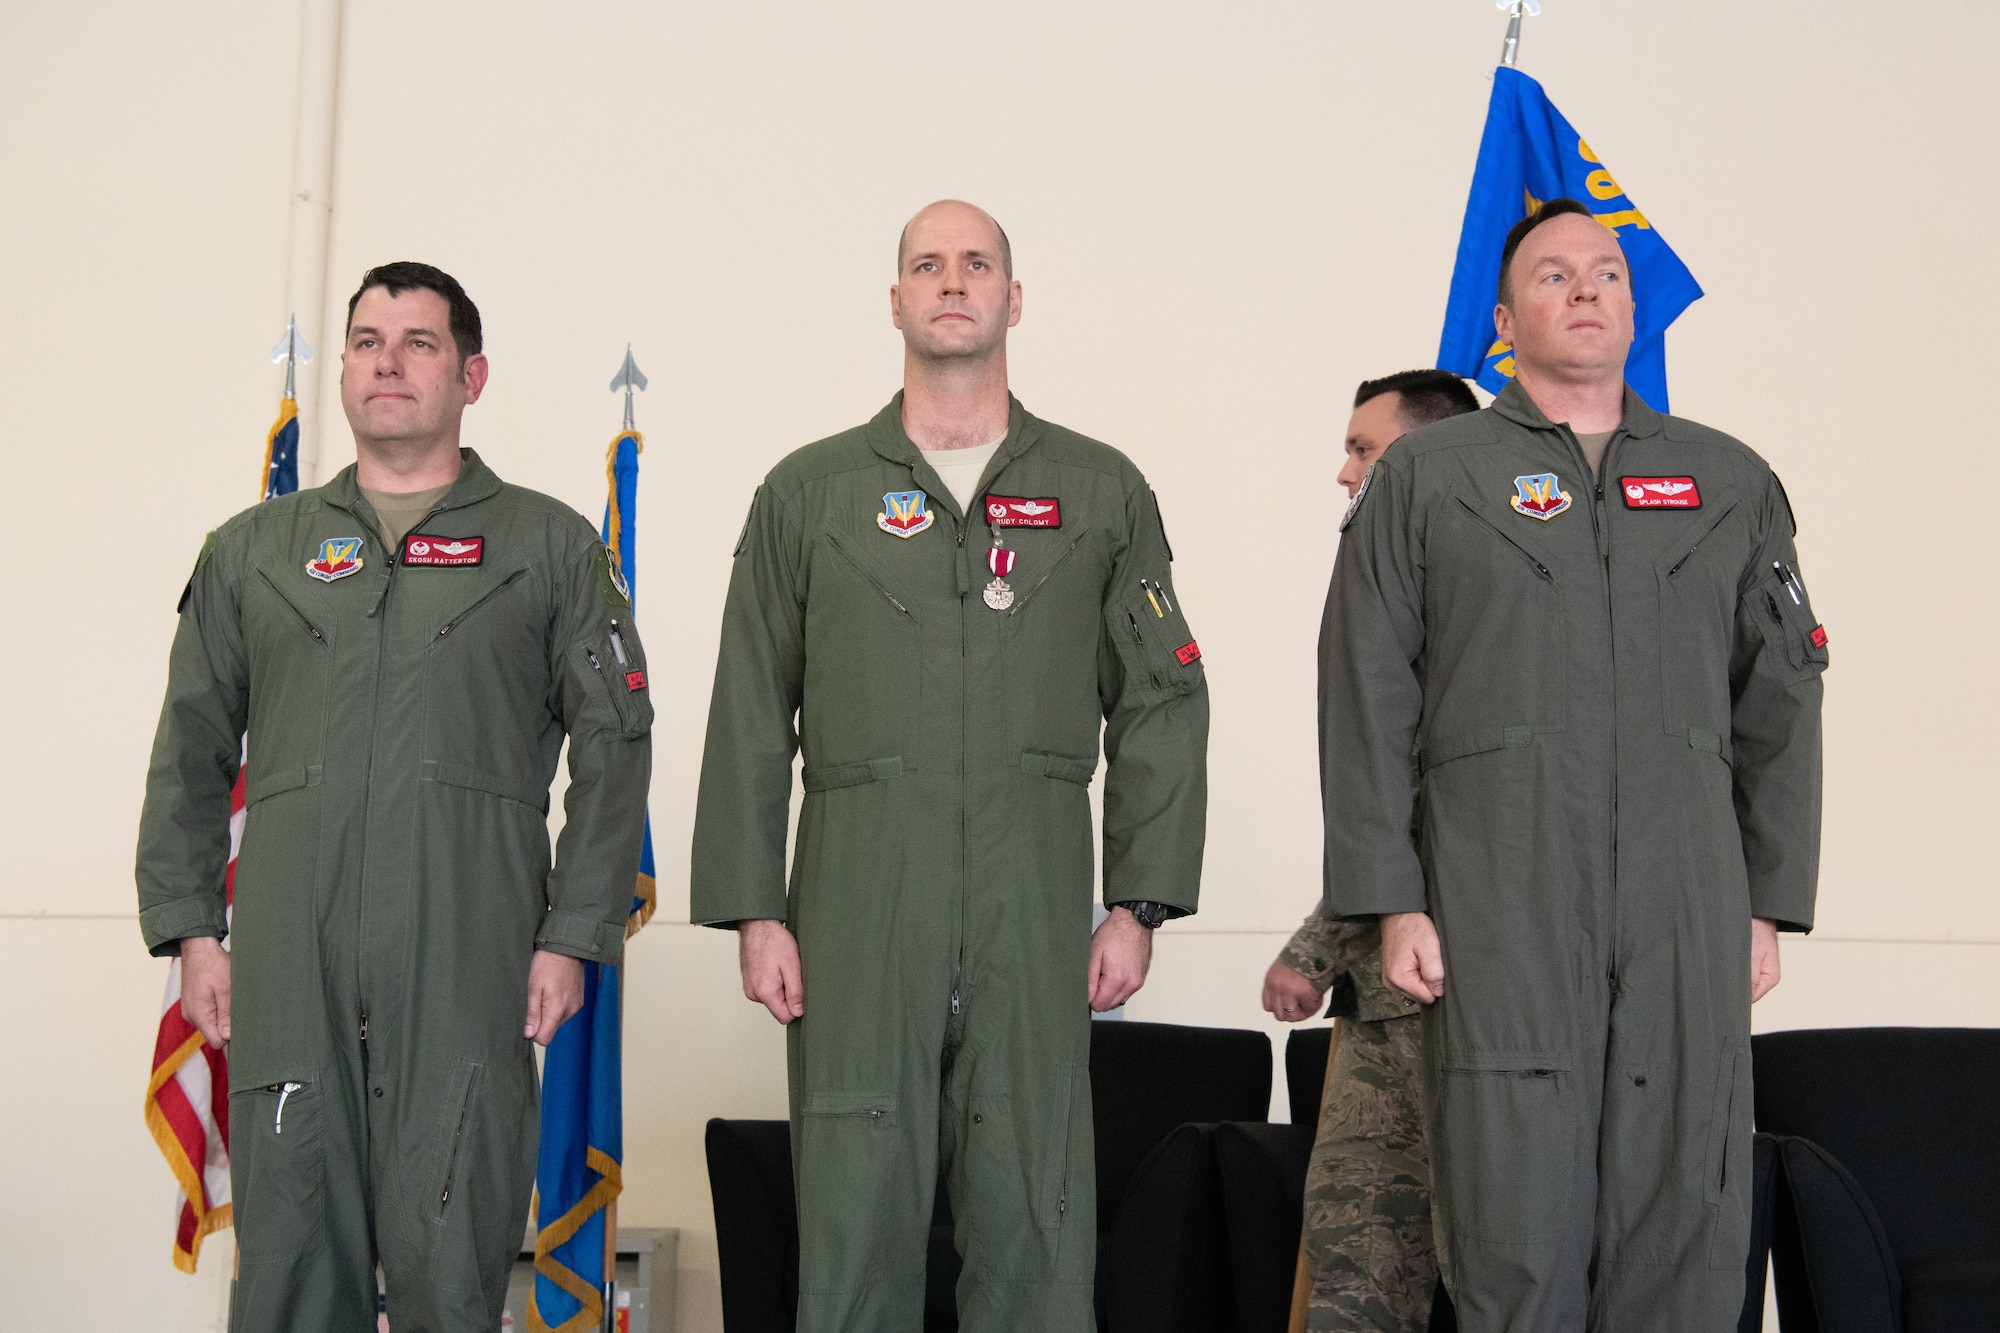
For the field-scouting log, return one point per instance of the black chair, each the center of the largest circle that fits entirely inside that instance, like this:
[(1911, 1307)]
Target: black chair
[(1907, 1115), (1261, 1177), (1164, 1266), (1306, 1053), (1146, 1080)]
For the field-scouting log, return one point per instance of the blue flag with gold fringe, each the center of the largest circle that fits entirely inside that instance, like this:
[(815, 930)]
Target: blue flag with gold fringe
[(578, 1170), (1530, 154)]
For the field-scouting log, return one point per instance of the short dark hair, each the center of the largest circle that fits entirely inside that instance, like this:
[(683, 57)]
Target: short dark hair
[(406, 275), (1427, 395), (1554, 208)]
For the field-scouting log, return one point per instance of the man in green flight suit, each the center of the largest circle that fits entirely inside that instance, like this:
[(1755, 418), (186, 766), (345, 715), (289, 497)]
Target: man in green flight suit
[(1368, 1186), (1588, 618), (406, 647), (940, 610)]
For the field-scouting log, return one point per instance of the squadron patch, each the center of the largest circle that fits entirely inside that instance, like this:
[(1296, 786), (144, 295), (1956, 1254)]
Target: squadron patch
[(1539, 496), (1014, 511), (338, 557), (616, 594), (1660, 492), (1360, 494), (443, 552), (904, 514), (1188, 653), (635, 681)]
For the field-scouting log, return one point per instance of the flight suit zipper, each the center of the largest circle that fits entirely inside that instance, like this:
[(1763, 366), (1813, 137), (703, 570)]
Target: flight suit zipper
[(304, 620), (1600, 528), (380, 611)]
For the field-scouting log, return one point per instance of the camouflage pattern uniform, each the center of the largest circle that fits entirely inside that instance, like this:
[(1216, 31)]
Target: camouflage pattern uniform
[(1368, 1195)]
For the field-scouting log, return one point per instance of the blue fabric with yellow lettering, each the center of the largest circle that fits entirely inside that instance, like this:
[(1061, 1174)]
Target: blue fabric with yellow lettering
[(1529, 154), (578, 1171)]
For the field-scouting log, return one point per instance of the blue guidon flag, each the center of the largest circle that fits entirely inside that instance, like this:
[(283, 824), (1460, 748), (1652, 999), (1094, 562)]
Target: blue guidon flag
[(1529, 154), (578, 1172)]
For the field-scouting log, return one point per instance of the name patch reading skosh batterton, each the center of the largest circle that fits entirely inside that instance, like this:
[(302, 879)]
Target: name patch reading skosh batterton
[(443, 552)]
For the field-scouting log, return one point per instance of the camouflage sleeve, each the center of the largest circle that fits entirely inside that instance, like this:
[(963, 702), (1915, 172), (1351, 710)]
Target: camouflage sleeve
[(1313, 952)]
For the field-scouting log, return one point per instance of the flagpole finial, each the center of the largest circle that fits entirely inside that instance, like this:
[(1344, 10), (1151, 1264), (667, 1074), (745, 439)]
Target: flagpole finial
[(1510, 50), (294, 352), (628, 378)]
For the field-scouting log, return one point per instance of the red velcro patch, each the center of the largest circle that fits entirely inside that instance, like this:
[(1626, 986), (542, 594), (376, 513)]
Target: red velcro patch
[(1660, 492), (635, 681), (1016, 511), (1819, 636), (443, 551), (1189, 653)]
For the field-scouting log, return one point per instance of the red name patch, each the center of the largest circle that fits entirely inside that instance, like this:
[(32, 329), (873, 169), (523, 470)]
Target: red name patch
[(1189, 653), (635, 681), (1819, 636), (443, 551), (1017, 511), (1660, 492)]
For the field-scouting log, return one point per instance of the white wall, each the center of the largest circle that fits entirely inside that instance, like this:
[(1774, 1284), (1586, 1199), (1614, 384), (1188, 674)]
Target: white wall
[(1224, 217)]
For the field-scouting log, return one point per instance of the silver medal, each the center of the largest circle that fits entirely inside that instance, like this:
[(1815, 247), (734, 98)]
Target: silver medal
[(998, 595)]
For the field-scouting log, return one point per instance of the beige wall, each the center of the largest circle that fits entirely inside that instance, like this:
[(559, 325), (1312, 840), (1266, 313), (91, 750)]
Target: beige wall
[(1224, 216)]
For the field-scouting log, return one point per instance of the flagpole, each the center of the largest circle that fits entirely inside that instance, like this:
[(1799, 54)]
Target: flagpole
[(312, 201), (1510, 50), (628, 378)]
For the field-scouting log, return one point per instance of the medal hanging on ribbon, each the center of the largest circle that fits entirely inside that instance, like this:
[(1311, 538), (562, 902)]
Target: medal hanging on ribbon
[(1000, 560)]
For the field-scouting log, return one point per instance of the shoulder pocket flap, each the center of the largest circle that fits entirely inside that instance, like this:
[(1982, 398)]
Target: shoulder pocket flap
[(1476, 742), (1060, 766), (850, 1103), (266, 781), (851, 775), (472, 779)]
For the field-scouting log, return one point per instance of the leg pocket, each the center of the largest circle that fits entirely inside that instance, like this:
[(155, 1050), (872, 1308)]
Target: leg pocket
[(1505, 1155), (849, 1149), (1726, 1187), (277, 1169)]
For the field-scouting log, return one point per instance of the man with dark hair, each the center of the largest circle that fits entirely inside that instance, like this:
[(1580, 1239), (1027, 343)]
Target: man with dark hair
[(942, 612), (1587, 618), (1368, 1194), (407, 648)]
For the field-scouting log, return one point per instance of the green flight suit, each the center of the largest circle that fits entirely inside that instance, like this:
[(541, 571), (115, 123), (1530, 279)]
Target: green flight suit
[(1615, 695), (941, 883), (404, 719)]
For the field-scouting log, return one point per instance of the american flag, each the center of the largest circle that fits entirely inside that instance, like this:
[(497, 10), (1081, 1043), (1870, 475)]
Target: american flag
[(187, 1097)]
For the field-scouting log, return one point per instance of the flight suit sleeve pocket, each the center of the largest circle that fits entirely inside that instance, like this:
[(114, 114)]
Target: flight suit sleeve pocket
[(1059, 766), (622, 684), (1159, 650), (1784, 613)]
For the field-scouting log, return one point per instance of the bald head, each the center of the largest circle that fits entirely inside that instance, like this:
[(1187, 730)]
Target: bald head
[(954, 214)]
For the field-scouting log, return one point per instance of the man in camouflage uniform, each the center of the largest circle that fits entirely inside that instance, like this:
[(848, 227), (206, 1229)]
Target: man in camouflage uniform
[(1368, 1197)]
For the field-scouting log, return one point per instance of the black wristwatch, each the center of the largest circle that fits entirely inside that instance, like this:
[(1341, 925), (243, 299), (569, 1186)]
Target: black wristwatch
[(1150, 915)]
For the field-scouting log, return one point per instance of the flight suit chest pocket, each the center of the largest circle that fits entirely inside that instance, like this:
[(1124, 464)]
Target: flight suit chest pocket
[(288, 622), (1159, 650)]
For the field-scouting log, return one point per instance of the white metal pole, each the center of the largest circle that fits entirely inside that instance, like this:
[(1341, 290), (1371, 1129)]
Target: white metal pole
[(312, 213)]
